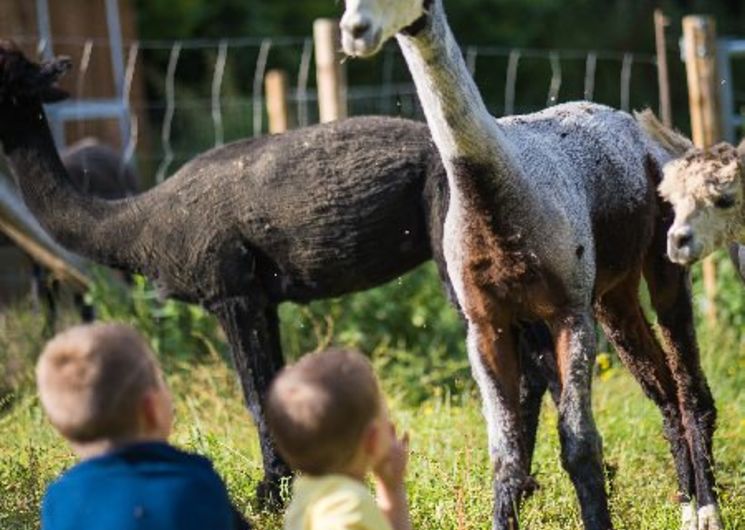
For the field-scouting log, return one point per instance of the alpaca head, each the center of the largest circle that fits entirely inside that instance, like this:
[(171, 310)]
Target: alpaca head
[(705, 188), (368, 24), (23, 81)]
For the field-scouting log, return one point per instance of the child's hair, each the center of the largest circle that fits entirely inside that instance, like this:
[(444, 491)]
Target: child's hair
[(318, 408), (92, 378)]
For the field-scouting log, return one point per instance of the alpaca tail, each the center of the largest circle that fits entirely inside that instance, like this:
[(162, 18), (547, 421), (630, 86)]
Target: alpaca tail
[(672, 141)]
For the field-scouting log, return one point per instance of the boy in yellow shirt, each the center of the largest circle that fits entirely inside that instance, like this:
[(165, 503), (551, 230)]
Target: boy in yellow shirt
[(330, 423)]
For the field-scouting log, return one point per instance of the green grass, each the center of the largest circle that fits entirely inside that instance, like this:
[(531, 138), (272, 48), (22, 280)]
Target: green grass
[(449, 476)]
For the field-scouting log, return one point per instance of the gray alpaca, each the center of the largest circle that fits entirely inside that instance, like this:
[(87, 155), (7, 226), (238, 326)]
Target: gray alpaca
[(554, 217), (310, 214)]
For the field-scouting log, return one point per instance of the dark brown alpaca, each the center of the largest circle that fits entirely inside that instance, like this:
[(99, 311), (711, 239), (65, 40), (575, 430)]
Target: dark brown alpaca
[(310, 214), (96, 169)]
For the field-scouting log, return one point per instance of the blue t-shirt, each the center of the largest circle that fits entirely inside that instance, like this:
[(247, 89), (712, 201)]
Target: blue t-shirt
[(143, 486)]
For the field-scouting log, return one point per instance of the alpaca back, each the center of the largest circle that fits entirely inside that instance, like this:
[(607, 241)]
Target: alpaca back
[(593, 172)]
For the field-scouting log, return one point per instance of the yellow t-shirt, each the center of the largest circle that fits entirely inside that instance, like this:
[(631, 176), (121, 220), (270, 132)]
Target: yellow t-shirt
[(333, 502)]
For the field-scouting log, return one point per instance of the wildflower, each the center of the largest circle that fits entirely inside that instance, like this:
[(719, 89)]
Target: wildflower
[(603, 362)]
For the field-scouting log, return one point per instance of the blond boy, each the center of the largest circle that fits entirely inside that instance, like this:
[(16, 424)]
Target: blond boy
[(330, 423), (102, 389)]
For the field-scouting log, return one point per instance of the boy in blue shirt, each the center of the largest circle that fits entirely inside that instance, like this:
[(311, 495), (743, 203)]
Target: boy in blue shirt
[(103, 390)]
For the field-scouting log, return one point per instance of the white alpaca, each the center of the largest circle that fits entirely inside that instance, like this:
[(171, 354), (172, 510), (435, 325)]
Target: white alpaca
[(553, 216), (706, 190)]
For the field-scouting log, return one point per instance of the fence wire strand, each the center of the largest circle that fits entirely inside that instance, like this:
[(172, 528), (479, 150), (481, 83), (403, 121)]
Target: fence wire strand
[(302, 83), (555, 86), (390, 94), (85, 62), (628, 61), (388, 64), (217, 77), (258, 86), (170, 111), (591, 64), (131, 142), (511, 82)]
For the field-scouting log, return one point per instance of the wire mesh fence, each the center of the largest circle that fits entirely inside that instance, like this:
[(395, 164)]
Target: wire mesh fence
[(184, 97)]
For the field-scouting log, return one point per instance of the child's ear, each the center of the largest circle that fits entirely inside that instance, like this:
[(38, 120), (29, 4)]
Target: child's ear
[(371, 438), (149, 411), (156, 413)]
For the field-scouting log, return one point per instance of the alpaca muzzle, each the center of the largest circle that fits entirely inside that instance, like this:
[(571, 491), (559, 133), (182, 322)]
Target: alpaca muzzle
[(360, 37), (682, 246)]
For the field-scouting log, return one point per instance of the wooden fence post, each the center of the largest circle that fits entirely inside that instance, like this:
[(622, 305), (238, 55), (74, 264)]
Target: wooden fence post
[(275, 86), (699, 41), (663, 77), (330, 76)]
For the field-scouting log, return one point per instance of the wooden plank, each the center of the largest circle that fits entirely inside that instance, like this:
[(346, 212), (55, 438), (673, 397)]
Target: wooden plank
[(72, 22), (661, 22), (25, 231), (276, 101), (330, 76), (699, 48), (699, 33)]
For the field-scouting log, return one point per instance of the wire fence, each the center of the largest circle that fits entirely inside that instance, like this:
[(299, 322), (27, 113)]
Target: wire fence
[(202, 93)]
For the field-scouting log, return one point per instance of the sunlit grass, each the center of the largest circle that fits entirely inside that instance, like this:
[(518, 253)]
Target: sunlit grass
[(449, 477)]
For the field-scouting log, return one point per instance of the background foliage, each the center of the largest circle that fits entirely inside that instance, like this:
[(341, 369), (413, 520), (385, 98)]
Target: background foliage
[(619, 25), (569, 25)]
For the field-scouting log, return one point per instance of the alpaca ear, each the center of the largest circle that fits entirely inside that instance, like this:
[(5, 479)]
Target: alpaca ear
[(741, 151), (46, 81)]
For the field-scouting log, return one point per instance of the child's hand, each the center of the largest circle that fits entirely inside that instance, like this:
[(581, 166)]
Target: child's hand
[(391, 470)]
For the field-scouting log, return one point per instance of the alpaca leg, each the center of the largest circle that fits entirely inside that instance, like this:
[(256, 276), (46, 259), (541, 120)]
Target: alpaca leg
[(44, 294), (670, 293), (627, 329), (86, 310), (495, 364), (253, 333), (581, 445), (537, 373)]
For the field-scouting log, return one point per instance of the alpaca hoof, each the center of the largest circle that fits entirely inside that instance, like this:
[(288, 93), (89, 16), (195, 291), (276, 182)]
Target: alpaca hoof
[(709, 518), (530, 486), (508, 495), (269, 495), (688, 516)]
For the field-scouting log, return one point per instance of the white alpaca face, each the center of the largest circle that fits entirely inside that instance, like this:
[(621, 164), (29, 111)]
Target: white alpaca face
[(706, 195), (699, 229), (368, 24)]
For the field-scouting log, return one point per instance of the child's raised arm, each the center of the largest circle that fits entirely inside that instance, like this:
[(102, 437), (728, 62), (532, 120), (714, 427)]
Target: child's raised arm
[(389, 483)]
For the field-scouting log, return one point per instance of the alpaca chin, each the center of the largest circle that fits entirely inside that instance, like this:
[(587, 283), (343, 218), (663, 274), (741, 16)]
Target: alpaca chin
[(363, 47), (686, 255)]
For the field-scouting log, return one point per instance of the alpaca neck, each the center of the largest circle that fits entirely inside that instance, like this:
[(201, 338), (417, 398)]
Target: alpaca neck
[(86, 225), (461, 126)]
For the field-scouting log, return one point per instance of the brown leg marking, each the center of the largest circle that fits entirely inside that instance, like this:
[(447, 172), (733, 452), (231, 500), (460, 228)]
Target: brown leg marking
[(627, 329), (496, 367), (581, 445)]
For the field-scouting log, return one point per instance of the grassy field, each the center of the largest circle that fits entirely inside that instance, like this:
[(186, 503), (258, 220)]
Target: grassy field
[(449, 478)]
